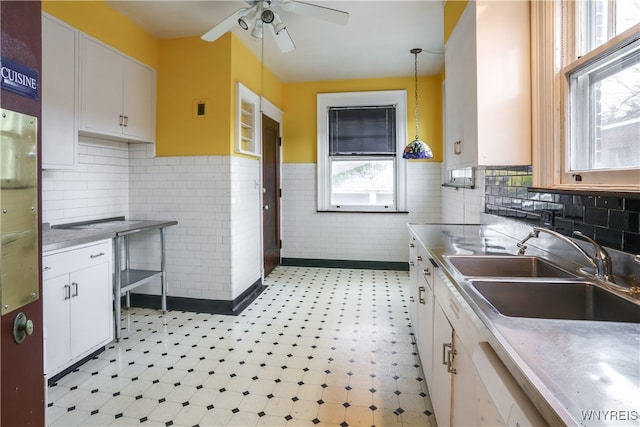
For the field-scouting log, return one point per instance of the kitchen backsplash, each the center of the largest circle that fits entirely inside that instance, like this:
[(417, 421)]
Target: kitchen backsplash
[(98, 187), (612, 219)]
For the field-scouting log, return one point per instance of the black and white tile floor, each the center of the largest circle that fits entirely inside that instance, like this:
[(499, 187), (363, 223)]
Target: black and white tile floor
[(318, 347)]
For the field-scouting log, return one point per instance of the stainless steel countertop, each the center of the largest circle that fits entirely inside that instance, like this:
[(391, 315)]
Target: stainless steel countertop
[(67, 235), (566, 367)]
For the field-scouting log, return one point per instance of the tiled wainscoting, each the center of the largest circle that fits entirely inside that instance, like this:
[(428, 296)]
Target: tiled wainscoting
[(318, 347), (612, 219), (307, 233)]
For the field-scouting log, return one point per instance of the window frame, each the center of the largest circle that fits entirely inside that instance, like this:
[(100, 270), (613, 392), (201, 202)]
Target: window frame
[(360, 99), (554, 24)]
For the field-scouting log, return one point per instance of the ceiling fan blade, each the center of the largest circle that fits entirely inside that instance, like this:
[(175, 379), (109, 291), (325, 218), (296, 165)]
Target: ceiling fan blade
[(283, 40), (325, 13), (224, 26)]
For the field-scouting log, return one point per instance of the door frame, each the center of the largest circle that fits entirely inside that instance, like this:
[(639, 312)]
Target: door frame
[(273, 112)]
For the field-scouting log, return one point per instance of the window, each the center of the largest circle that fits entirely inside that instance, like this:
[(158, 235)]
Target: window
[(360, 141), (601, 71)]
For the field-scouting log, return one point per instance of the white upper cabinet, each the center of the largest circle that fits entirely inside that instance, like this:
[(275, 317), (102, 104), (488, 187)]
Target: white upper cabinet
[(59, 94), (488, 85), (117, 94)]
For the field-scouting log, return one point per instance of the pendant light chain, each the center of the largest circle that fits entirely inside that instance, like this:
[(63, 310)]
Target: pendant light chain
[(415, 52)]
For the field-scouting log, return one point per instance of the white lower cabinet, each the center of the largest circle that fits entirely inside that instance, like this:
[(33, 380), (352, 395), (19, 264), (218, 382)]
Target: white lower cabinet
[(441, 380), (77, 304), (468, 384)]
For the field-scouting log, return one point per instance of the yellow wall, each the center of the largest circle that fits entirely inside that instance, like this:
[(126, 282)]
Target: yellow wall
[(190, 69), (99, 20), (299, 104), (452, 11)]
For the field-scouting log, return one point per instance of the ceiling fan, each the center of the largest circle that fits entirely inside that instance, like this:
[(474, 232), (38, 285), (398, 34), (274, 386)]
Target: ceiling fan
[(261, 12)]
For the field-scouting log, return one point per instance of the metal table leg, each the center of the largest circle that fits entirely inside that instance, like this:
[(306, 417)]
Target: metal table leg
[(116, 287), (163, 274)]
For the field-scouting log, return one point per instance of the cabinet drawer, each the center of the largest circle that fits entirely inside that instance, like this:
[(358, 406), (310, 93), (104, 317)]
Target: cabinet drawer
[(76, 258)]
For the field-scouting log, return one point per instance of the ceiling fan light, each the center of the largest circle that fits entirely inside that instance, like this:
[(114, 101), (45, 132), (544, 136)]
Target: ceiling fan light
[(277, 23), (257, 29), (245, 20), (267, 16)]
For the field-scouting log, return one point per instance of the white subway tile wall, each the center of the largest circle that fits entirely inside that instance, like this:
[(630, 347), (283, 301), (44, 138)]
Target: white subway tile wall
[(246, 218), (196, 192), (98, 187), (307, 233), (464, 205), (214, 252)]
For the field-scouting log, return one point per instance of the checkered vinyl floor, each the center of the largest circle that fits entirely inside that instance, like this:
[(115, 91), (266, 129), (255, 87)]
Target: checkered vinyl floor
[(320, 346)]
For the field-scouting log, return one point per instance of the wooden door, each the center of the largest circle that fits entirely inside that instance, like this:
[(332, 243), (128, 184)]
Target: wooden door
[(271, 193), (21, 370)]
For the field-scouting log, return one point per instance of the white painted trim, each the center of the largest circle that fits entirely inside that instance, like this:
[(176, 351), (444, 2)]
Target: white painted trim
[(384, 97)]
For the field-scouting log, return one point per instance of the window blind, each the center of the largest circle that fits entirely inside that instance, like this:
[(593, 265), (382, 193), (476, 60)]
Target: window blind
[(362, 130)]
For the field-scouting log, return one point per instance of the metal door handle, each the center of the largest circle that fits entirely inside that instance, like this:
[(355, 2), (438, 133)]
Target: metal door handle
[(421, 291)]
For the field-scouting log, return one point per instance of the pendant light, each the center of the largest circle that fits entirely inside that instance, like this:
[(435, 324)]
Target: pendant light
[(417, 149)]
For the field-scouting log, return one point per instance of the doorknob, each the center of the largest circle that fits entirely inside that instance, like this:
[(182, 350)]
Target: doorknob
[(22, 327), (266, 207)]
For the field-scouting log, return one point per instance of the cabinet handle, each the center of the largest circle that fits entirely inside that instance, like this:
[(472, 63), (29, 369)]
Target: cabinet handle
[(447, 357), (121, 120), (67, 292), (411, 263), (75, 292), (426, 272), (46, 268), (450, 355), (419, 257), (421, 291), (411, 245), (97, 255), (126, 121)]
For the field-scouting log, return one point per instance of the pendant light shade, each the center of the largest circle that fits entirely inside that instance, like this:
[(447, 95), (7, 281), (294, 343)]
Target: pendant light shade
[(417, 149)]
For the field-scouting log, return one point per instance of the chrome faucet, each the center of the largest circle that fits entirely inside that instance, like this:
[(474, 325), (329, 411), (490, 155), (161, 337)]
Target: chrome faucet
[(601, 260)]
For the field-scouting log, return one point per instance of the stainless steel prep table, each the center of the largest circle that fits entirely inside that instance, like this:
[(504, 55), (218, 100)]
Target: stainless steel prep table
[(125, 278)]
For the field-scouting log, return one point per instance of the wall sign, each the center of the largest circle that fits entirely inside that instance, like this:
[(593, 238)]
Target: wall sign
[(19, 79)]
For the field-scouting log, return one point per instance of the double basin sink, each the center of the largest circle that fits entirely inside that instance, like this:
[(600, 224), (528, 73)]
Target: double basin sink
[(531, 287)]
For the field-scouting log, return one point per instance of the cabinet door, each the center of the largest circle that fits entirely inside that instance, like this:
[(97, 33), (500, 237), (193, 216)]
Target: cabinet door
[(413, 285), (425, 335), (90, 319), (56, 295), (460, 94), (138, 101), (465, 402), (442, 381), (101, 89), (59, 94)]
